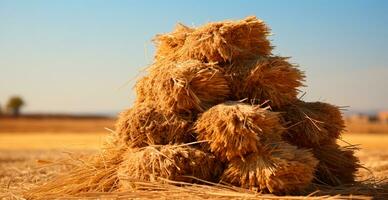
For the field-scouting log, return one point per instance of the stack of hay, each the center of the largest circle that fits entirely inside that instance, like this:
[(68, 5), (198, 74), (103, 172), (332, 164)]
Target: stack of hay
[(218, 106)]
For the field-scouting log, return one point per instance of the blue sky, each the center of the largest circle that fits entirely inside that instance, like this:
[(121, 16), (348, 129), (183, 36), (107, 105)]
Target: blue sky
[(84, 56)]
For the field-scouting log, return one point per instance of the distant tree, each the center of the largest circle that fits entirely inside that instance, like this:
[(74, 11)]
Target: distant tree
[(14, 104)]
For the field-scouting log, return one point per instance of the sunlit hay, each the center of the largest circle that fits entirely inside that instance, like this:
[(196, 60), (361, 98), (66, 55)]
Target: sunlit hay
[(184, 87), (337, 165), (144, 125), (217, 42), (278, 168), (263, 79), (167, 44), (233, 129), (311, 124), (94, 174), (178, 163)]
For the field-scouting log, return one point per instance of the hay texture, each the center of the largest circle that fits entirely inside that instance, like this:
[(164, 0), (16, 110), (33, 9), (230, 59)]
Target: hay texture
[(172, 162), (97, 173), (337, 165), (277, 168), (219, 88), (262, 79), (312, 124), (216, 42), (145, 125), (233, 129), (183, 87)]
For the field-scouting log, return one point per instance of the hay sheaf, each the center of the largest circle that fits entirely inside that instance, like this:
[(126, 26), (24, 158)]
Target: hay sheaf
[(169, 43), (312, 123), (144, 125), (216, 42), (262, 79), (234, 129), (184, 87), (337, 165), (278, 168), (172, 162)]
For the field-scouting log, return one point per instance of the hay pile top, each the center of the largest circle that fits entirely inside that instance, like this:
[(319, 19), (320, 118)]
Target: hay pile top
[(217, 105)]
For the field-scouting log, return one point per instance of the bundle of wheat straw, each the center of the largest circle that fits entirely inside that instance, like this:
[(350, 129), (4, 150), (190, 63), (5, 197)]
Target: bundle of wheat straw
[(312, 124), (172, 162), (278, 168), (168, 43), (145, 125), (184, 87), (263, 79), (337, 165), (216, 42), (234, 129), (193, 92)]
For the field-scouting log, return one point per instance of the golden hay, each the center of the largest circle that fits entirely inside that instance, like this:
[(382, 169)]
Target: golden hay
[(184, 87), (278, 168), (216, 42), (337, 165), (169, 43), (145, 125), (94, 174), (312, 123), (262, 79), (234, 129), (172, 162)]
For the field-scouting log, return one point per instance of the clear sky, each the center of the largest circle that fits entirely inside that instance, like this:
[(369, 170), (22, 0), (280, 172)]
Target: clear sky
[(84, 56)]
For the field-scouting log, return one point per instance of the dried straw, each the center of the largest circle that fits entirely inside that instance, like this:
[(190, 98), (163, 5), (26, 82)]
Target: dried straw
[(144, 125), (169, 43), (94, 174), (337, 165), (172, 162), (183, 87), (234, 129), (263, 79), (278, 168), (216, 42), (312, 123)]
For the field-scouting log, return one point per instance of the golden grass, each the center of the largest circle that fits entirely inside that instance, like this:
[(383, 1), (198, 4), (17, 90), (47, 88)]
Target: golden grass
[(47, 141)]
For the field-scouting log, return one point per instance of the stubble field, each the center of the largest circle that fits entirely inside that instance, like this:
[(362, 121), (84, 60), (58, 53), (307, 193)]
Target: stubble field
[(28, 158)]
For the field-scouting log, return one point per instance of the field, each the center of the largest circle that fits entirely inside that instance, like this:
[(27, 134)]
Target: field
[(30, 157)]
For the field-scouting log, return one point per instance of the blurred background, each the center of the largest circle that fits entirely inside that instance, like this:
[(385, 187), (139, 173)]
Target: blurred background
[(67, 68)]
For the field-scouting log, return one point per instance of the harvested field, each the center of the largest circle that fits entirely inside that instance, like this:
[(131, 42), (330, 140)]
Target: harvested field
[(21, 169)]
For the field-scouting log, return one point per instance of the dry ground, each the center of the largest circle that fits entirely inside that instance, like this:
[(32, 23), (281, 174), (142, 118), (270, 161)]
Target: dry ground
[(25, 160)]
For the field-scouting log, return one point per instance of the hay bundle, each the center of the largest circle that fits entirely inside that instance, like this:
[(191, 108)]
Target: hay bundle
[(167, 44), (184, 87), (337, 165), (234, 129), (179, 163), (271, 79), (186, 97), (312, 124), (278, 168), (216, 42), (145, 125)]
